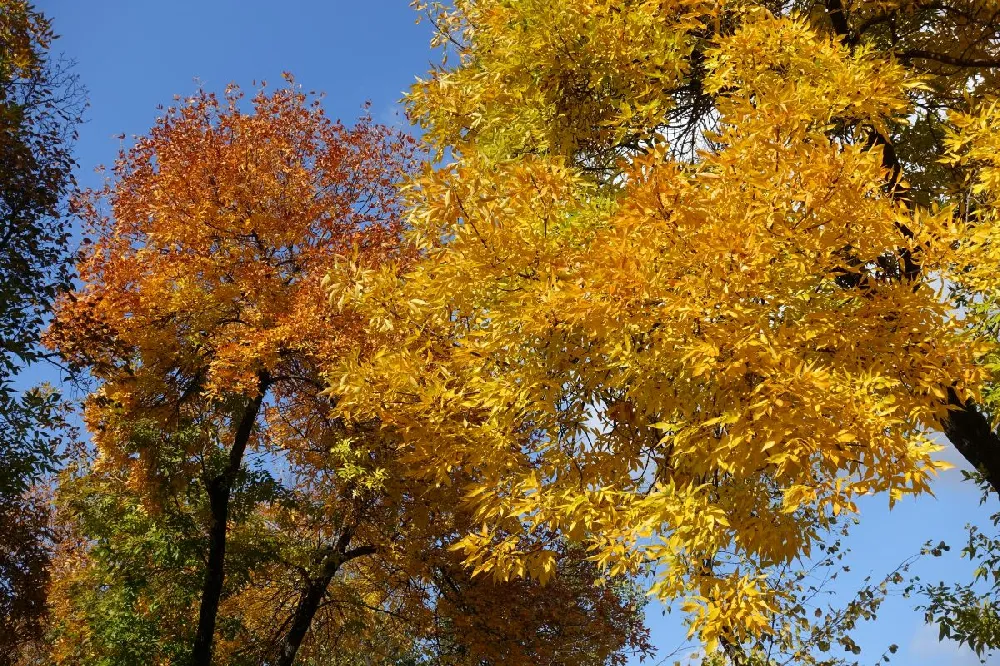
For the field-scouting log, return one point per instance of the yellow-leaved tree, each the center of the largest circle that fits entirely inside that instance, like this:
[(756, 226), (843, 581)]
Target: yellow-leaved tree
[(677, 299)]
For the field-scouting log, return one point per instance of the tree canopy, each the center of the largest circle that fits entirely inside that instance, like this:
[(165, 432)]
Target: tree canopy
[(40, 105), (663, 288), (678, 298), (222, 479)]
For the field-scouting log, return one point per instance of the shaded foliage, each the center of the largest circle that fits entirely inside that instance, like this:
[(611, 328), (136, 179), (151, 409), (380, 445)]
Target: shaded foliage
[(40, 106)]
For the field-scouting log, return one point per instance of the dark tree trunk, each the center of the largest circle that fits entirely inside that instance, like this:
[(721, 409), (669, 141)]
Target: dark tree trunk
[(969, 431), (219, 492)]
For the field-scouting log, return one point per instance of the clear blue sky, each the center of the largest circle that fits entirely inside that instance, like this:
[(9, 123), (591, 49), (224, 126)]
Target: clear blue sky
[(134, 55)]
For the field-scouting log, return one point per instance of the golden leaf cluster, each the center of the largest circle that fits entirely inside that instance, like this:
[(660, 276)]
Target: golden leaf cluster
[(675, 364)]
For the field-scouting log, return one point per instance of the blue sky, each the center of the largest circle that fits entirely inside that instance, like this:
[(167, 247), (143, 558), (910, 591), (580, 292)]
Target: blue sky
[(134, 55)]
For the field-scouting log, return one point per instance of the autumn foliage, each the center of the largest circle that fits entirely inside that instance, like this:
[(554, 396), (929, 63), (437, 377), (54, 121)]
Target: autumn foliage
[(262, 522), (664, 288), (674, 301), (202, 287)]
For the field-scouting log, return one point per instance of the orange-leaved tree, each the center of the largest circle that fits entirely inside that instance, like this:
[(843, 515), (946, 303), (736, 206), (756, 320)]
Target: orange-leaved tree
[(201, 297)]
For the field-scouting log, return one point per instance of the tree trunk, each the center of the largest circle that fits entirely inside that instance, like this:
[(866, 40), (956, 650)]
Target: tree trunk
[(219, 492), (969, 431)]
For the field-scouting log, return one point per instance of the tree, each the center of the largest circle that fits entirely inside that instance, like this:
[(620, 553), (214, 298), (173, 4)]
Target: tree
[(222, 478), (40, 105), (953, 48), (969, 611), (200, 293), (24, 574), (676, 300), (127, 577)]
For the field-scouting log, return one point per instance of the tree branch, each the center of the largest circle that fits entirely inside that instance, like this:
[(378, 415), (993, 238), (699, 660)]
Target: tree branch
[(312, 595), (945, 59)]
